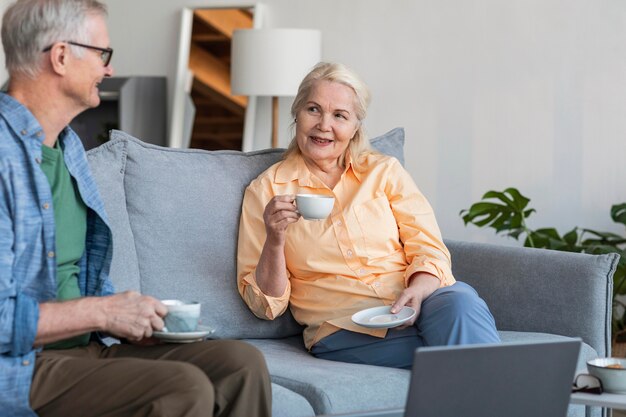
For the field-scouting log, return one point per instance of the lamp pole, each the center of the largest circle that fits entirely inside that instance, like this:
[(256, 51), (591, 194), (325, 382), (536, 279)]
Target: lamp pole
[(274, 122)]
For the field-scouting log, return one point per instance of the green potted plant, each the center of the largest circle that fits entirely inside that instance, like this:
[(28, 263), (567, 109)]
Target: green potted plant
[(506, 212)]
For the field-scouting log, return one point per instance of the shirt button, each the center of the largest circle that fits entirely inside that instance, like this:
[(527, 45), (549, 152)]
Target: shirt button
[(46, 206), (25, 362), (349, 253), (361, 271), (38, 160), (23, 132), (51, 254), (38, 134), (339, 223), (377, 284)]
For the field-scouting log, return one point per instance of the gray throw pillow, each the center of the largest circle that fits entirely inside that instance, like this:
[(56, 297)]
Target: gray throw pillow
[(391, 143)]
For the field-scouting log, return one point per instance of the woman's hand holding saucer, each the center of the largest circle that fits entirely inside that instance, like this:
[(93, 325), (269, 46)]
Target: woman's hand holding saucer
[(421, 286)]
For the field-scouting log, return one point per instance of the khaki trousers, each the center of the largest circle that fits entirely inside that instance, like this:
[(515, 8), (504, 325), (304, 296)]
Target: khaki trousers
[(210, 378)]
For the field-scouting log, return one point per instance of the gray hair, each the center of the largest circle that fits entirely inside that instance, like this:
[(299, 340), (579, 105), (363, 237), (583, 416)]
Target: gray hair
[(30, 26), (338, 73)]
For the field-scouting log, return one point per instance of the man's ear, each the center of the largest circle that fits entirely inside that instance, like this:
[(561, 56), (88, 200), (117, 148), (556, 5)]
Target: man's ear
[(59, 57)]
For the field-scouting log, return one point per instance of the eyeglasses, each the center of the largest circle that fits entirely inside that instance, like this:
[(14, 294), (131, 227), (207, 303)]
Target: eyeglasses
[(105, 53), (587, 383)]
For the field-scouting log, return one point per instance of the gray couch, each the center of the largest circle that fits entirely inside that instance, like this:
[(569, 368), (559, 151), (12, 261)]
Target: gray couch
[(175, 215)]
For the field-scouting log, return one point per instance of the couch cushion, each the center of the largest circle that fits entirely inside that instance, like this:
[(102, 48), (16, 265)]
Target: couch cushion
[(183, 209), (175, 218), (586, 351), (108, 164), (286, 403), (391, 143), (333, 387)]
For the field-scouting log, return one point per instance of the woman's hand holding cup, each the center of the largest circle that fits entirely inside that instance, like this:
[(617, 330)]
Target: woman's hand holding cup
[(279, 213)]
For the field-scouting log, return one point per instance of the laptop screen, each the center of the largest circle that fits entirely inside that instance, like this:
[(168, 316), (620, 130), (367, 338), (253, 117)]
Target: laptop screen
[(509, 379)]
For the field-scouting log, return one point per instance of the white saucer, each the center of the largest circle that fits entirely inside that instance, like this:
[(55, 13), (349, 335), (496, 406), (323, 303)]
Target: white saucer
[(184, 337), (379, 317)]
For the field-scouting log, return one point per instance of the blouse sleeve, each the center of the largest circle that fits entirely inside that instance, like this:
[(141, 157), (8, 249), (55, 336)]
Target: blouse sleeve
[(251, 239), (423, 245)]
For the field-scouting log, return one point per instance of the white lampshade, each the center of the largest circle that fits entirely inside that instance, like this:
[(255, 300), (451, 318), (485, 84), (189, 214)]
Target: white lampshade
[(272, 62)]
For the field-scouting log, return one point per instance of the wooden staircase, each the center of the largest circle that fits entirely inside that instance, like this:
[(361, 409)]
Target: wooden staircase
[(219, 118)]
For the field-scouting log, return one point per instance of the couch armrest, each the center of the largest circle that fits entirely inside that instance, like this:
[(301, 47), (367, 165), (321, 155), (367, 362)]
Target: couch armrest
[(538, 290)]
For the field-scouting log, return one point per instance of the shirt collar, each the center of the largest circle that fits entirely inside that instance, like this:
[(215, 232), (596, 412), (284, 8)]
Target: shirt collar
[(294, 168), (19, 118), (351, 167)]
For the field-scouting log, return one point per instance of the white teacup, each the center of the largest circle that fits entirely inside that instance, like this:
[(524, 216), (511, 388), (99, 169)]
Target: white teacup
[(315, 206), (182, 316)]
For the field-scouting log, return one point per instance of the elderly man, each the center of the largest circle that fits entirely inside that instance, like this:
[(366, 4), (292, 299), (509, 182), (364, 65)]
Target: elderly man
[(56, 298)]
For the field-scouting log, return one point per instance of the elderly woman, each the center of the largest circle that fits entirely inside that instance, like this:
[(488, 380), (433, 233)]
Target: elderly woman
[(380, 245)]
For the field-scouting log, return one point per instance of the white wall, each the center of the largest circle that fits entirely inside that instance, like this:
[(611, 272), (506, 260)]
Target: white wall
[(492, 93), (4, 75)]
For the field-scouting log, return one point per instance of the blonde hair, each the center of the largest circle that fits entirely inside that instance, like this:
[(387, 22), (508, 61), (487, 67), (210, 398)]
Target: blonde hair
[(324, 71)]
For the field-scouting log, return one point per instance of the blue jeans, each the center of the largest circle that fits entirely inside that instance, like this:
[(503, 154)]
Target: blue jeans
[(453, 315)]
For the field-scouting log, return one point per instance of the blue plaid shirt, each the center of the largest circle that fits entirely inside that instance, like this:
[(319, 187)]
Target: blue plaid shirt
[(27, 245)]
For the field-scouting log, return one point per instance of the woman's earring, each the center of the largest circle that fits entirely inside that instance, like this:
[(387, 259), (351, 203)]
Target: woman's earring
[(295, 120)]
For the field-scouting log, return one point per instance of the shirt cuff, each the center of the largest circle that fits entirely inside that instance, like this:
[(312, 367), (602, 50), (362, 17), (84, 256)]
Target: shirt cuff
[(24, 325), (262, 305), (439, 270)]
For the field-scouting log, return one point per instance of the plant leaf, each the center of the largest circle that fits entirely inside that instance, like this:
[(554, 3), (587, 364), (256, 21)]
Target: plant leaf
[(500, 196), (571, 237), (502, 211), (604, 235), (529, 212), (520, 202), (618, 213)]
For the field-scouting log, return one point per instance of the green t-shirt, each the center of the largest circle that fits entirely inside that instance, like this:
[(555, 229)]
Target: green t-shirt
[(70, 218)]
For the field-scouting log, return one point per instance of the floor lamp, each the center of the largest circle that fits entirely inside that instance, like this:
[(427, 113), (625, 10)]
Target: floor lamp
[(272, 62)]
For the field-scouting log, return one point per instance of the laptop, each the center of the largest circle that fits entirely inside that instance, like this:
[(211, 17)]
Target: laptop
[(490, 380)]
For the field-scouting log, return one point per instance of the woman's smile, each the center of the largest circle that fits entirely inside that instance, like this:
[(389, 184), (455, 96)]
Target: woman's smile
[(321, 141)]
